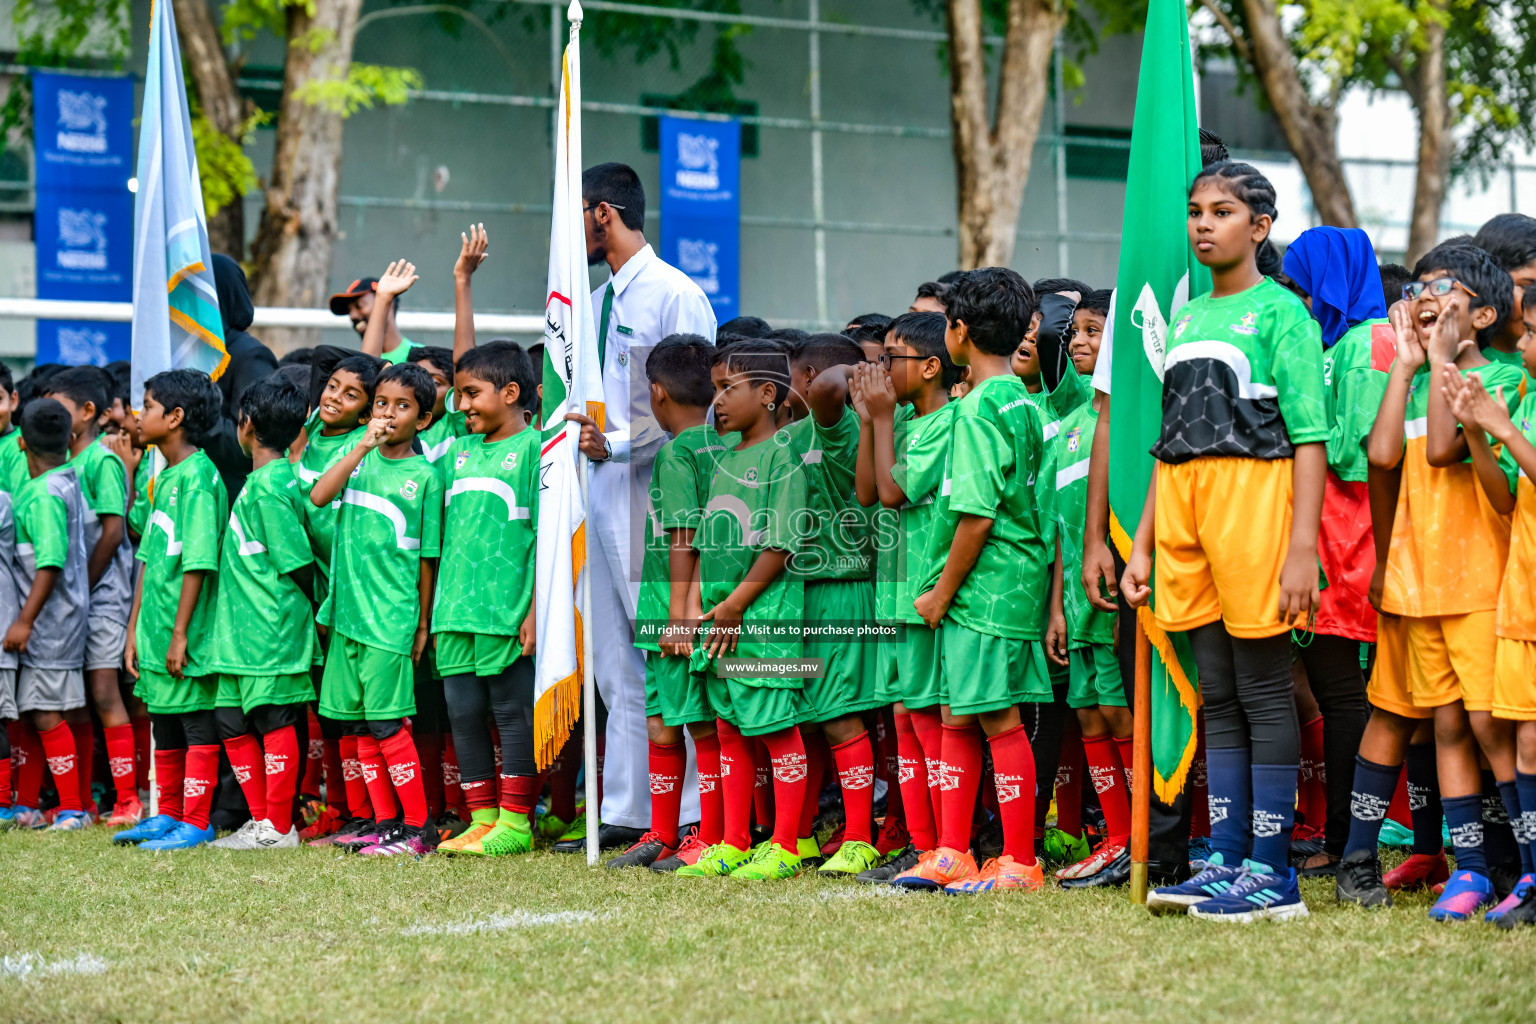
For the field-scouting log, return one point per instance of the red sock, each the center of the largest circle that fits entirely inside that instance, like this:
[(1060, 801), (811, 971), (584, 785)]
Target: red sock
[(335, 777), (59, 748), (314, 754), (5, 781), (562, 779), (888, 767), (199, 782), (27, 753), (738, 778), (245, 759), (817, 756), (855, 760), (912, 781), (405, 772), (479, 794), (119, 742), (358, 804), (518, 793), (1013, 766), (706, 751), (430, 747), (1069, 781), (1398, 810), (170, 782), (667, 765), (1126, 747), (1199, 790), (85, 761), (141, 748), (787, 751), (762, 784), (960, 777), (280, 762), (381, 794), (1314, 780), (928, 727), (453, 793), (1109, 783)]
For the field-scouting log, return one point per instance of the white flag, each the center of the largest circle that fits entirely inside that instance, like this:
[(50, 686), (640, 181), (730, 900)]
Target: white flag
[(572, 383)]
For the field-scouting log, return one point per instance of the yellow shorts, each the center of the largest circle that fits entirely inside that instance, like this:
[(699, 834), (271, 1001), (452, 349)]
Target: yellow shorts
[(1514, 680), (1450, 658), (1388, 688), (1223, 526)]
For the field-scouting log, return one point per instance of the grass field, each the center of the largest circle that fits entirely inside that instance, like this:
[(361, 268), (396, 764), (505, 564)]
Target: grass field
[(89, 932)]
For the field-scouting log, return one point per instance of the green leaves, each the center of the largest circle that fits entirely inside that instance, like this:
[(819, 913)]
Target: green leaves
[(363, 86)]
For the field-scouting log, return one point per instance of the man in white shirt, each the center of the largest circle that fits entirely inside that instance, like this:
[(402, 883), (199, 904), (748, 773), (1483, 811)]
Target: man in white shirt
[(643, 301)]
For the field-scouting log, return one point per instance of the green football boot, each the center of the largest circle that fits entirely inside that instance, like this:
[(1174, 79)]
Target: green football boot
[(850, 859), (1065, 848), (717, 861), (774, 862)]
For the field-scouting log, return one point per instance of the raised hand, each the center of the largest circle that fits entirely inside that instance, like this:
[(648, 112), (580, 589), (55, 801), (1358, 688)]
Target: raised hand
[(1410, 351), (472, 252), (396, 279)]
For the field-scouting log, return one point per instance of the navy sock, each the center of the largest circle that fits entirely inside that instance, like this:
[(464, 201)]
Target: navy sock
[(1509, 796), (1464, 815), (1424, 799), (1369, 799), (1499, 846), (1229, 779), (1274, 812), (1526, 786)]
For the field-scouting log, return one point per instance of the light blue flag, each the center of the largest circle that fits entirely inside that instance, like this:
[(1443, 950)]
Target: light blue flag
[(176, 322)]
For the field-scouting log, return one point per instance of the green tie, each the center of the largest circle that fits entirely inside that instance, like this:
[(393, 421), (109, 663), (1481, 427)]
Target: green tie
[(602, 327)]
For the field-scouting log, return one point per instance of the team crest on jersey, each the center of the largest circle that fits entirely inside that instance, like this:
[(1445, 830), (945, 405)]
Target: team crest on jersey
[(1178, 328), (510, 462), (750, 476), (174, 491), (458, 463), (357, 470), (1074, 436), (1249, 324), (408, 490)]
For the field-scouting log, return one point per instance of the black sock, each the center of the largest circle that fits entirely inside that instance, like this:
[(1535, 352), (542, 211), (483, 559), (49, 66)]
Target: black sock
[(1368, 802), (1464, 815), (1424, 799)]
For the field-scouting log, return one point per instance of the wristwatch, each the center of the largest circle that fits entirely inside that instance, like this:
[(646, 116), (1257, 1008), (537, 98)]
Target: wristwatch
[(607, 449)]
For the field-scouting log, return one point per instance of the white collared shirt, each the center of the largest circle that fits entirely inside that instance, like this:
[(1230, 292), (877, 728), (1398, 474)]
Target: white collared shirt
[(651, 300)]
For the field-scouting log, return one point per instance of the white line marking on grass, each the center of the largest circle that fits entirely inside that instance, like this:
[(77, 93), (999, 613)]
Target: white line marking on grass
[(500, 922), (27, 965)]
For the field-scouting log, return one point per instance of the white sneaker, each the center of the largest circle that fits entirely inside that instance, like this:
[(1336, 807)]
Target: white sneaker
[(267, 837), (242, 838)]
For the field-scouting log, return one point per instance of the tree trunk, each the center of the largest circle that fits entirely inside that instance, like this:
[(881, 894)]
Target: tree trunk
[(1311, 131), (992, 162), (1434, 142), (222, 104), (291, 254)]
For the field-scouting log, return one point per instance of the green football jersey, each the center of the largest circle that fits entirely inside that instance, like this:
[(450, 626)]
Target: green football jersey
[(490, 533), (1355, 371), (1515, 358), (921, 461), (104, 488), (440, 435), (391, 517), (187, 511), (838, 544), (993, 462), (1064, 507), (1243, 377), (1053, 406), (757, 500), (13, 462), (320, 454), (679, 489), (885, 535), (263, 623), (1494, 376), (150, 466)]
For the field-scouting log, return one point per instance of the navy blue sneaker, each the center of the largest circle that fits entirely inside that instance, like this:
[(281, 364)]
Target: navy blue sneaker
[(150, 828), (1258, 896), (1216, 879), (182, 837)]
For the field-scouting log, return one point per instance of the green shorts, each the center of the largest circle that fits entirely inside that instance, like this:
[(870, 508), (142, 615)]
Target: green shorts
[(1096, 678), (921, 664), (166, 695), (674, 691), (848, 685), (363, 683), (989, 673), (476, 654), (888, 671), (251, 692), (755, 710)]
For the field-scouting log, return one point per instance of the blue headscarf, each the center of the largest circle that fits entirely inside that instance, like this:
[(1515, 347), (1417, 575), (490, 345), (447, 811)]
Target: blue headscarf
[(1337, 268)]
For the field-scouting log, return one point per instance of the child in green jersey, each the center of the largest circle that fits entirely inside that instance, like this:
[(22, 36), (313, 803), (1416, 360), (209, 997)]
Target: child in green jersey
[(836, 563), (378, 612), (483, 616), (906, 421), (681, 391), (264, 631), (13, 464), (987, 588), (82, 390), (169, 640), (753, 609), (446, 426)]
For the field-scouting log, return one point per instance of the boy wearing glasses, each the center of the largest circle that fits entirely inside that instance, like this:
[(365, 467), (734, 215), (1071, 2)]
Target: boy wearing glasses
[(1449, 544)]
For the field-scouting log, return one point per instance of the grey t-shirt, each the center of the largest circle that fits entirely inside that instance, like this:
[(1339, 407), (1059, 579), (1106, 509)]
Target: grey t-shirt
[(10, 605), (50, 533), (103, 491)]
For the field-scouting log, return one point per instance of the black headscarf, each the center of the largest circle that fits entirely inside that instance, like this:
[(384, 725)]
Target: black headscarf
[(249, 362)]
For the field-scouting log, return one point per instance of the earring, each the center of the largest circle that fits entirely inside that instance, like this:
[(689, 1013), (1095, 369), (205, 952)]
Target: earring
[(770, 406)]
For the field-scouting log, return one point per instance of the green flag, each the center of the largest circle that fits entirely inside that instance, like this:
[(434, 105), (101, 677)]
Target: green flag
[(1158, 274)]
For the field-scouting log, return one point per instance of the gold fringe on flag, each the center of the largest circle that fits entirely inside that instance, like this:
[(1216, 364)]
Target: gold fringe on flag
[(555, 714)]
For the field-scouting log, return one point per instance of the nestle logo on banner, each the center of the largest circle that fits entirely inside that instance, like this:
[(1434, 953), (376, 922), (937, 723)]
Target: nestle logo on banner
[(82, 240), (82, 123), (696, 258), (698, 162), (82, 346)]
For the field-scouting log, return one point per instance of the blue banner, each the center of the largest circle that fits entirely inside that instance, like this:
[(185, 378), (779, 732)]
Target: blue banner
[(701, 206), (83, 219)]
